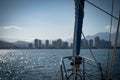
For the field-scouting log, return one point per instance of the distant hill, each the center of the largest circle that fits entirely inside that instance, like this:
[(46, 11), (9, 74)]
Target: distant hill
[(14, 45), (105, 36), (21, 44), (6, 45), (102, 35)]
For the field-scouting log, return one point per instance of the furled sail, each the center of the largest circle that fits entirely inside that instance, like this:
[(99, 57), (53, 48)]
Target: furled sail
[(79, 14)]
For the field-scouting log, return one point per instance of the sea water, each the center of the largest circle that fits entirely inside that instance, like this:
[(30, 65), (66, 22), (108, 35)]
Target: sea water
[(43, 64)]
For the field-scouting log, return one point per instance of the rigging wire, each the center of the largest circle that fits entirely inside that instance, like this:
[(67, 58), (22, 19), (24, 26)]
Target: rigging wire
[(101, 9), (114, 51), (113, 54), (111, 20), (90, 49), (98, 64)]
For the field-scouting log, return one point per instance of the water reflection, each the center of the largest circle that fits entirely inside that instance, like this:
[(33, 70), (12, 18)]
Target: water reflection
[(39, 64)]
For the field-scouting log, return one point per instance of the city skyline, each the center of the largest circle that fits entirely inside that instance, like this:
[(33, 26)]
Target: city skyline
[(51, 19), (95, 43)]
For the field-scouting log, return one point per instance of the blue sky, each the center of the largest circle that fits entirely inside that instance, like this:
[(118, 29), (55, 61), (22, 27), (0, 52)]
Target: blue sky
[(51, 19)]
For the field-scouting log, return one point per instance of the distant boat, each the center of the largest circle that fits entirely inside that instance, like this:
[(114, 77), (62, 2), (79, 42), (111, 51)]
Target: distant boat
[(76, 69)]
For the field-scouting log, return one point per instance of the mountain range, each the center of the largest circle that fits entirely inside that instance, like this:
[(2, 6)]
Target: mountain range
[(13, 45), (102, 35), (105, 36)]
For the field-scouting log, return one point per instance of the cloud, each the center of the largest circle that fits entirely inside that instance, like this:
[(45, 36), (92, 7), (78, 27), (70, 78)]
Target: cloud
[(11, 27), (113, 29)]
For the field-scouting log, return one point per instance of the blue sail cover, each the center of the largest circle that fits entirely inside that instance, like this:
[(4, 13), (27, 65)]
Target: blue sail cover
[(79, 14)]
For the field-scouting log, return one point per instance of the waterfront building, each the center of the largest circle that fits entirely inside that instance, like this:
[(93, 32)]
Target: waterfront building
[(40, 44), (90, 43), (65, 45), (47, 43), (30, 45), (97, 41), (36, 43)]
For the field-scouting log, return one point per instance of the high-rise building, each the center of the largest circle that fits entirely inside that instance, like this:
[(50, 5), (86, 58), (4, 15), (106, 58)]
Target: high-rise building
[(84, 43), (54, 44), (47, 43), (30, 45), (36, 43), (90, 43), (97, 41), (102, 43), (40, 44), (59, 43), (107, 44), (71, 45), (65, 44)]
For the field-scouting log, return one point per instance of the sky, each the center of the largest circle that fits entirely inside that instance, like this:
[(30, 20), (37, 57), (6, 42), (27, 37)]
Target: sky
[(51, 19)]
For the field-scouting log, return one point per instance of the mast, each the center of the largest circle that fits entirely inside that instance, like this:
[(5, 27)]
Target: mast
[(75, 72), (79, 14)]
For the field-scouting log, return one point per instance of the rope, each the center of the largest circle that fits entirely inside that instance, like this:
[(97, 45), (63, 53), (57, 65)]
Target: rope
[(101, 9)]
